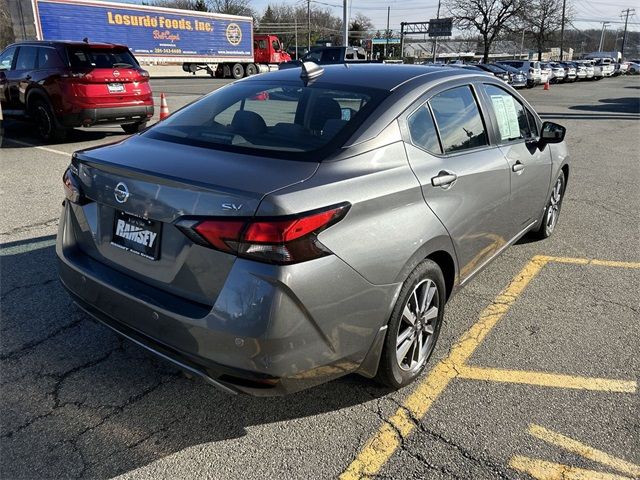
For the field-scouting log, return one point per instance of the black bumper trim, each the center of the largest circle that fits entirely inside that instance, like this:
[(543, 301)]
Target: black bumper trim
[(115, 115)]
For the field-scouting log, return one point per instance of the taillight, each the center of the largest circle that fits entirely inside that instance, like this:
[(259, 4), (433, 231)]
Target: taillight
[(72, 191), (143, 73), (279, 240)]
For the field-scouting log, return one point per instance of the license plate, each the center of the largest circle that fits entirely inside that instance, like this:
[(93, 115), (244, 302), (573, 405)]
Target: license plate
[(115, 87), (137, 235)]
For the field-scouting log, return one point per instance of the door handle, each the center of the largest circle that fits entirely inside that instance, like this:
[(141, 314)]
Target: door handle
[(518, 167), (444, 179)]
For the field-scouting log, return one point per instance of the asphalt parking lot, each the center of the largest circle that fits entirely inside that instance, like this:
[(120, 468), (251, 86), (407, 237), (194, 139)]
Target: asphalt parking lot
[(534, 376)]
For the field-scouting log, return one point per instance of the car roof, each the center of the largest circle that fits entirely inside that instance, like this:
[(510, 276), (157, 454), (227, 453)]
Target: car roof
[(377, 75), (54, 43)]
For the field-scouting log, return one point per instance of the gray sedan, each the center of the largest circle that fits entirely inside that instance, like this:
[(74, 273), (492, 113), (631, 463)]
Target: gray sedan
[(296, 226)]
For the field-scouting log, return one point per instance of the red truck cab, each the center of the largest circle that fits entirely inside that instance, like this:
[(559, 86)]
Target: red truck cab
[(267, 49)]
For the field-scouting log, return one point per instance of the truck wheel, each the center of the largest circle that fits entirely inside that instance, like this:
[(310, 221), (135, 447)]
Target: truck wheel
[(251, 69), (49, 128), (237, 71)]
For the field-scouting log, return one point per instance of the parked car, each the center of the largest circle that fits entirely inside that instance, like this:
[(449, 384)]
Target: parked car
[(557, 72), (545, 73), (570, 74), (494, 70), (589, 68), (634, 68), (581, 70), (607, 66), (61, 85), (620, 68), (517, 78), (255, 260), (534, 76)]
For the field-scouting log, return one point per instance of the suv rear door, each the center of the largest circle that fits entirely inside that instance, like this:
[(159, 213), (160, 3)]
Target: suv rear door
[(106, 75), (7, 59), (20, 76)]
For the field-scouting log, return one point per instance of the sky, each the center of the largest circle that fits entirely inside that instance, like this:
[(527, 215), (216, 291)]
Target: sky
[(589, 13)]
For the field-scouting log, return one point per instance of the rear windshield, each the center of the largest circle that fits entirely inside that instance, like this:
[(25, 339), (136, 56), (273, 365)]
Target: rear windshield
[(271, 119), (92, 57)]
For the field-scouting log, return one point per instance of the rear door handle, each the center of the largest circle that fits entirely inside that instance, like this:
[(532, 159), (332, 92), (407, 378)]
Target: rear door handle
[(444, 179), (518, 167)]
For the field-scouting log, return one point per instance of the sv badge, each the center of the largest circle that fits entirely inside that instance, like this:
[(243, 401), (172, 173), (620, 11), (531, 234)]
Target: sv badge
[(232, 206)]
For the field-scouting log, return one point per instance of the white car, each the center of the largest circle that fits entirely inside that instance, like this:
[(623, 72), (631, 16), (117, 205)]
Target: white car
[(634, 68), (532, 69), (557, 72), (545, 73), (608, 68), (581, 71)]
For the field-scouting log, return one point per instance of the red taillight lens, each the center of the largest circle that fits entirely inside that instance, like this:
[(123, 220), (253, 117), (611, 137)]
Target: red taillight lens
[(276, 240)]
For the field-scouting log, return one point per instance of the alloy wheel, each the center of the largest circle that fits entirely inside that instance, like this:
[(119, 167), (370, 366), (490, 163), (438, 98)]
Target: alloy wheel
[(414, 339), (554, 206)]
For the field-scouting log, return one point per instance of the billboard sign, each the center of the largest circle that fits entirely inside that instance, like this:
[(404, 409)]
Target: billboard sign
[(440, 27)]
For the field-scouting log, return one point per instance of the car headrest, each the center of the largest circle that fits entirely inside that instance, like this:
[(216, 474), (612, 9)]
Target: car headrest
[(325, 108), (245, 121)]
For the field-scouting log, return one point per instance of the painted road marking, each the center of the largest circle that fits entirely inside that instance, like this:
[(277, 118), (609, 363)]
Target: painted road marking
[(46, 149), (543, 470), (544, 379), (386, 441), (583, 450), (382, 445)]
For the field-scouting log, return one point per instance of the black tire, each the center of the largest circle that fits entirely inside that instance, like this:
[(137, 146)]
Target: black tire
[(548, 224), (132, 128), (251, 69), (47, 124), (396, 373), (237, 71)]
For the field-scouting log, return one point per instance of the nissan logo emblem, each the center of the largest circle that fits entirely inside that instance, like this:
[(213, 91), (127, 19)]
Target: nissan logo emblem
[(121, 192), (116, 73)]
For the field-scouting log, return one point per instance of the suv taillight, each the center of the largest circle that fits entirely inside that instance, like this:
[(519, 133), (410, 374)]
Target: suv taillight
[(279, 240)]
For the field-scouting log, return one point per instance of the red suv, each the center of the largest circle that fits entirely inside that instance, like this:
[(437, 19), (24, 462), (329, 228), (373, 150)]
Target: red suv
[(61, 85)]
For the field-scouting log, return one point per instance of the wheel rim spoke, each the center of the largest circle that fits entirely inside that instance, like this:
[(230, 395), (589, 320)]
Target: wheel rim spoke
[(404, 349), (404, 335), (409, 315), (431, 314)]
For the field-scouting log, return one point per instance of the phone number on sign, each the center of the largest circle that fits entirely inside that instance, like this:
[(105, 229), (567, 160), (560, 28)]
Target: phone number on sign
[(167, 50)]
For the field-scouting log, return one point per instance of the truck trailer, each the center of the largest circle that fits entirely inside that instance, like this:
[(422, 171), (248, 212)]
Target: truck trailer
[(223, 45)]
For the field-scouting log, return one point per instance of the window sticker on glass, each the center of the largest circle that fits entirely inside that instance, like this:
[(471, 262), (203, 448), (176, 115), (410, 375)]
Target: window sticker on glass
[(505, 109)]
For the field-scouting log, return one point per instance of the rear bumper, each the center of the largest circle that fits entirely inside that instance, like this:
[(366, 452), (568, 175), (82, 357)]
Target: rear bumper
[(110, 115), (272, 330)]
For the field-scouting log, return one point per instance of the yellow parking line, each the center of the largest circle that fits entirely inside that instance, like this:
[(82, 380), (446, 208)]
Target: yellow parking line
[(547, 379), (543, 470), (583, 450), (386, 440), (592, 261)]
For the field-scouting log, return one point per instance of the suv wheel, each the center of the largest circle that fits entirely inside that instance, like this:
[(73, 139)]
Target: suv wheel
[(48, 127), (413, 327), (132, 128)]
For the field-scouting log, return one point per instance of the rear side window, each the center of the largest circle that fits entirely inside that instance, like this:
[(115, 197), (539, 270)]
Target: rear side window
[(6, 58), (423, 130), (27, 58), (458, 119), (48, 58), (87, 57), (510, 114), (265, 118)]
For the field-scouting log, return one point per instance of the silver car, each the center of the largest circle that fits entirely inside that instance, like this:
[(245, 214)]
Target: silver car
[(296, 226)]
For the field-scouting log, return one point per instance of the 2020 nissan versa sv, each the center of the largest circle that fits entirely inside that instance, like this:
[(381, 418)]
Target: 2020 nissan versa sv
[(296, 226)]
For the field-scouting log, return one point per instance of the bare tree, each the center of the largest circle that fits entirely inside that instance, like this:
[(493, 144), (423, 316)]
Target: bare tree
[(541, 20), (488, 17), (198, 5), (359, 28), (231, 7), (6, 26)]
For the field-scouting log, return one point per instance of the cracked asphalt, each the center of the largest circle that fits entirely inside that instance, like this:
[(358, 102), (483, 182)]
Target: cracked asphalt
[(76, 401)]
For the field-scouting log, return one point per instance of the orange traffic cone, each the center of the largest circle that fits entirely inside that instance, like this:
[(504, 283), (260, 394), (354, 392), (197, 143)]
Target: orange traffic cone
[(546, 86), (164, 108)]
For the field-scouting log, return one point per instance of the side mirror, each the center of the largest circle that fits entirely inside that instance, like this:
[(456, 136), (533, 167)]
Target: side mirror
[(552, 133)]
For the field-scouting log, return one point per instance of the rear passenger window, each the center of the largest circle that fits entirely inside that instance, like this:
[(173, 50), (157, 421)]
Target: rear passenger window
[(6, 58), (27, 58), (458, 119), (423, 131), (510, 114), (48, 58)]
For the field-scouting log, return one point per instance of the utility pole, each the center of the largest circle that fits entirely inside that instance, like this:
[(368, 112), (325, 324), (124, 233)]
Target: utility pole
[(624, 35), (345, 24), (295, 24), (386, 33), (564, 6), (435, 41), (604, 26), (522, 44), (309, 25)]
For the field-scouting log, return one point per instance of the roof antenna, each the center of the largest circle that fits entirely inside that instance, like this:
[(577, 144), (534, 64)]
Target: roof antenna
[(85, 40), (310, 71)]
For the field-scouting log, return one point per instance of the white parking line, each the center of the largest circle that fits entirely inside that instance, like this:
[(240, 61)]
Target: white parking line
[(46, 149)]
